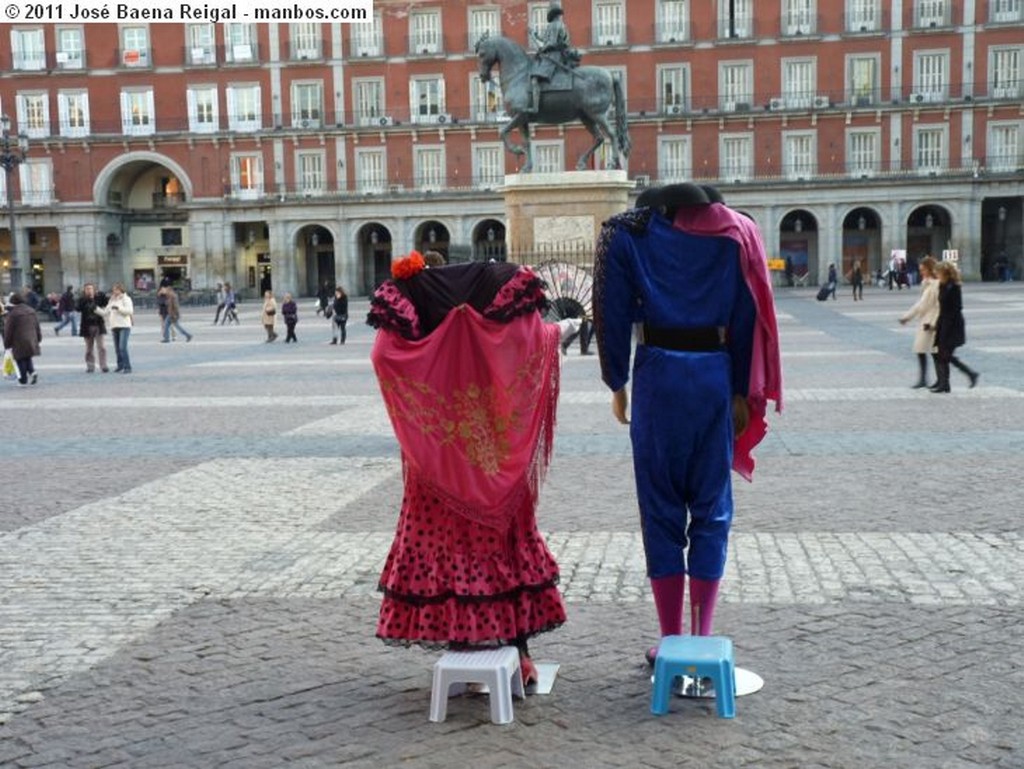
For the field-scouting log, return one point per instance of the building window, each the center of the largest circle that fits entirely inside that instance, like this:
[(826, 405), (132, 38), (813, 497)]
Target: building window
[(426, 100), (538, 21), (931, 76), (240, 43), (798, 83), (70, 48), (201, 44), (428, 168), (1006, 10), (675, 161), (135, 46), (672, 91), (739, 22), (369, 102), (862, 85), (1005, 148), (305, 40), (735, 86), (673, 21), (549, 157), (202, 109), (609, 28), (371, 170), (34, 114), (247, 175), (798, 17), (737, 157), (309, 172), (862, 152), (483, 22), (36, 177), (488, 165), (28, 49), (307, 105), (862, 15), (425, 32), (245, 108), (368, 39), (1005, 73), (932, 13), (930, 149), (138, 116), (798, 155), (486, 101), (73, 113), (170, 236)]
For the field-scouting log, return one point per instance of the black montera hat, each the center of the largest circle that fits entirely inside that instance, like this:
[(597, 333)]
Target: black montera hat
[(554, 10)]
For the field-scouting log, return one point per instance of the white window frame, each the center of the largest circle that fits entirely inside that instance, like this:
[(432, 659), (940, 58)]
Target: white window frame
[(368, 101), (253, 117), (1005, 146), (70, 52), (36, 177), (426, 37), (247, 167), (487, 104), (857, 94), (482, 20), (744, 20), (931, 76), (305, 38), (863, 152), (673, 88), (311, 172), (609, 22), (675, 158), (65, 108), (736, 169), (371, 169), (931, 13), (142, 123), (240, 43), (735, 84), (799, 82), (549, 156), (1003, 84), (135, 46), (538, 15), (427, 105), (799, 155), (34, 113), (673, 24), (201, 43), (799, 17), (28, 49), (862, 15), (194, 104), (307, 115), (428, 167), (1006, 11), (488, 165), (931, 159), (367, 40)]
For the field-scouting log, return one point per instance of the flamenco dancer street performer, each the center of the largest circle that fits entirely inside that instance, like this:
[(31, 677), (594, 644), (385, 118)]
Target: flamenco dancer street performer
[(470, 376), (692, 274)]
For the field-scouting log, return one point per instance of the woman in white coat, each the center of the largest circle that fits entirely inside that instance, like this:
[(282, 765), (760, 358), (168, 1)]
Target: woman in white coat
[(926, 310)]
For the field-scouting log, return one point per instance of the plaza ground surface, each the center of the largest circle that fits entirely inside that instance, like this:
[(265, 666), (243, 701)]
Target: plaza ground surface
[(189, 554)]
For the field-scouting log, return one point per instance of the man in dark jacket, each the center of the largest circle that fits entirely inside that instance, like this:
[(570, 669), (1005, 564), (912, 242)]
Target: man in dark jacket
[(66, 309), (93, 329), (22, 336)]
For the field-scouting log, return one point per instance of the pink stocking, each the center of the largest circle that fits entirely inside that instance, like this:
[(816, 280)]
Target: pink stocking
[(703, 597), (668, 600)]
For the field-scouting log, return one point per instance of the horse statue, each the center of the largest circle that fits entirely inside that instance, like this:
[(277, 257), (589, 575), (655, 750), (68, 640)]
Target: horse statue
[(588, 96)]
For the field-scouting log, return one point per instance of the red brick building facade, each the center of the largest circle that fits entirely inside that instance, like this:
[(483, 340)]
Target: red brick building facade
[(294, 154)]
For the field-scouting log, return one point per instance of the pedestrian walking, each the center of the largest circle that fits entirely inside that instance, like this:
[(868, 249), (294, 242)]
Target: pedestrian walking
[(323, 298), (269, 314), (339, 315), (221, 302), (92, 328), (119, 312), (22, 336), (173, 314), (833, 280), (951, 330), (857, 279), (230, 306), (290, 313), (926, 310), (66, 308)]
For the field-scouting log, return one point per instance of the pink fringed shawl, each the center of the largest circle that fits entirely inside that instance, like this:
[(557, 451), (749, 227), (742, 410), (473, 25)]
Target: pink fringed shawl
[(766, 362), (473, 407)]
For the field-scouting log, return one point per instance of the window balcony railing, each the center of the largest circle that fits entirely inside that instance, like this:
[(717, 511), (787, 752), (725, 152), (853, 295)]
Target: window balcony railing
[(134, 58), (29, 62), (868, 20), (309, 52), (69, 60), (930, 14), (608, 35), (668, 33), (241, 53), (366, 46), (741, 26), (799, 25), (426, 44), (168, 199), (201, 55), (1006, 11)]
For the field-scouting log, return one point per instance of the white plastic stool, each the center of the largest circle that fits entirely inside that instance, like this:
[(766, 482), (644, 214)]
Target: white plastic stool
[(498, 669)]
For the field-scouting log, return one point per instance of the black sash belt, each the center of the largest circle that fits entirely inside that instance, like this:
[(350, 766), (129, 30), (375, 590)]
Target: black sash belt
[(702, 339)]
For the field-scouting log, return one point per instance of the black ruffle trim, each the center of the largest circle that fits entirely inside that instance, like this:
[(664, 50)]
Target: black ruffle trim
[(426, 600), (525, 300), (383, 315), (432, 645)]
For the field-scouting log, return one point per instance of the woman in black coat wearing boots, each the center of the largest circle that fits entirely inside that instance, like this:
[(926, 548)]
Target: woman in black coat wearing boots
[(950, 330), (22, 336)]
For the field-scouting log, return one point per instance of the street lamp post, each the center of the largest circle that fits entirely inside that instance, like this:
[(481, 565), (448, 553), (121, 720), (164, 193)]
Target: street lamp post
[(12, 154)]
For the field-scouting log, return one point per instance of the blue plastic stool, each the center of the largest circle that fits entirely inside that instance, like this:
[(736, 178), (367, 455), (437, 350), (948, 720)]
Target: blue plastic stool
[(697, 657)]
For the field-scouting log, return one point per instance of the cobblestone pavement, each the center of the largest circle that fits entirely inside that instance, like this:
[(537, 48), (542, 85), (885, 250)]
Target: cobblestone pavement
[(189, 554)]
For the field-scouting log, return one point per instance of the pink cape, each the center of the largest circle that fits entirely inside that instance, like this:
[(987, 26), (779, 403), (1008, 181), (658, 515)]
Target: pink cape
[(473, 407), (766, 361)]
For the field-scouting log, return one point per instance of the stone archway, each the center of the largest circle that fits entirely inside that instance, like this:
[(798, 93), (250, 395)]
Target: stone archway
[(432, 235), (798, 246), (862, 238), (489, 241), (375, 245)]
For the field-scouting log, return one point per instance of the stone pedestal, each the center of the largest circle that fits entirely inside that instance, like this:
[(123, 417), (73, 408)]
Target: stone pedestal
[(563, 212)]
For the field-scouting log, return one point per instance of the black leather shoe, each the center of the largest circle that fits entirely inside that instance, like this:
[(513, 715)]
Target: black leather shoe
[(919, 385), (974, 378)]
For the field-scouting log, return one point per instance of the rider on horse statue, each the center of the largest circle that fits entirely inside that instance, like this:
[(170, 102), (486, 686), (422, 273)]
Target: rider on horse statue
[(554, 53)]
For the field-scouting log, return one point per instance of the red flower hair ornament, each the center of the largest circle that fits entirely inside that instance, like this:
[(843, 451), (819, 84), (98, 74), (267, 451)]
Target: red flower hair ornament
[(405, 268)]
